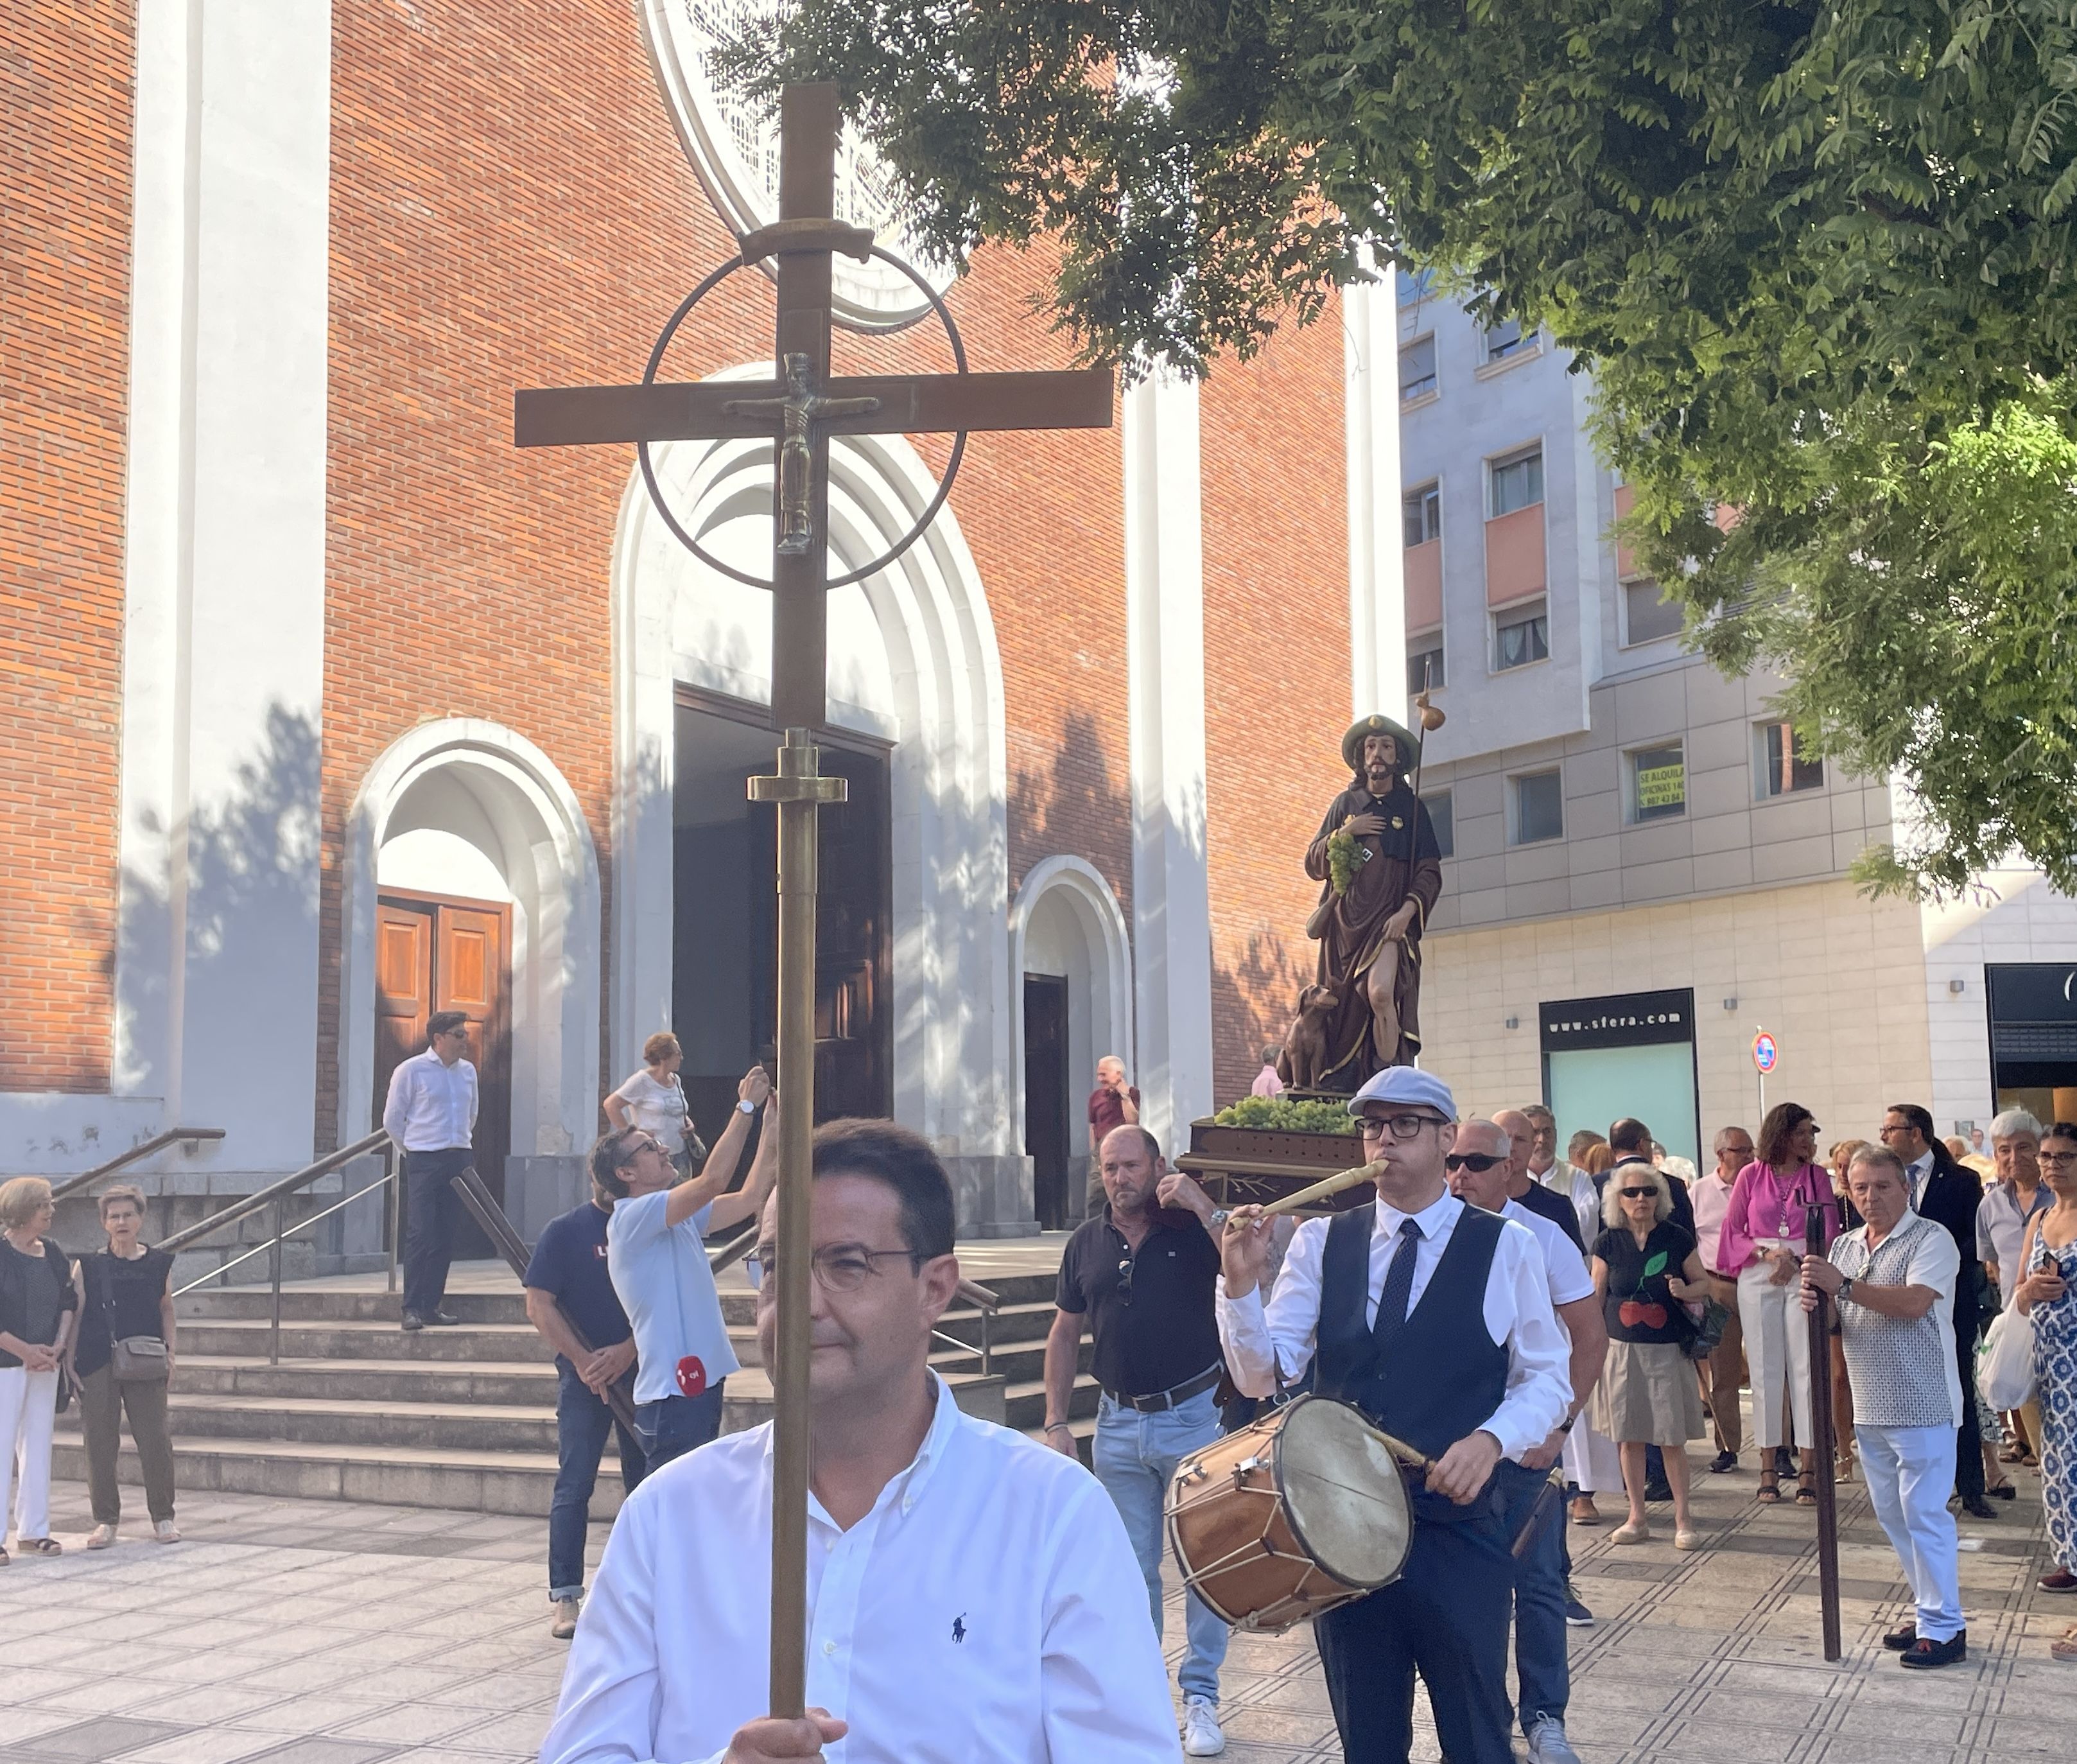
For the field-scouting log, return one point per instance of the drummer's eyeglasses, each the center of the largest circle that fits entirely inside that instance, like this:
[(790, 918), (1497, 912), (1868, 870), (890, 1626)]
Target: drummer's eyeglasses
[(1400, 1126), (1480, 1161)]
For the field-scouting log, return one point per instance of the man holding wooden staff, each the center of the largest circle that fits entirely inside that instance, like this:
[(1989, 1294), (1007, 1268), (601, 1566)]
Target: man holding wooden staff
[(1434, 1319), (1893, 1280)]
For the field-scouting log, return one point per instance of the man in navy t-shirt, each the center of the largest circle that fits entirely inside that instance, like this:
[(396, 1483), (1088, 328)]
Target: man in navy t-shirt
[(568, 1269)]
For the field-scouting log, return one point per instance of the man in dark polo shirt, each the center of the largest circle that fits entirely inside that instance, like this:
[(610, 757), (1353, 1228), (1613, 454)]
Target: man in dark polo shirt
[(568, 1269), (1140, 1275)]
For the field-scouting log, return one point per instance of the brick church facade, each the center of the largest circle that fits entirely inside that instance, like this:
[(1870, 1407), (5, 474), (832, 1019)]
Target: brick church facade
[(323, 705)]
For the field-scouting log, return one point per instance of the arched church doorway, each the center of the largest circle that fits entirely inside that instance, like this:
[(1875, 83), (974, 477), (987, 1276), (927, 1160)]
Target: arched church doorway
[(1068, 947)]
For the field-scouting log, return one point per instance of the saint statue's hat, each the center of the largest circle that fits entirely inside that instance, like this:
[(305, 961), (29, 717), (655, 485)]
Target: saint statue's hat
[(1375, 724)]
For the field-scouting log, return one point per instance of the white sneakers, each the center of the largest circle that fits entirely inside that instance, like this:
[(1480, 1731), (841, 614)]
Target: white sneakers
[(101, 1537), (1547, 1744), (1202, 1735)]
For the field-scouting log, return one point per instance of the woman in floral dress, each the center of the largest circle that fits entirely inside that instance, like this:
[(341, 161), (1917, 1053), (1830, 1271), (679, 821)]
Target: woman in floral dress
[(2047, 1295)]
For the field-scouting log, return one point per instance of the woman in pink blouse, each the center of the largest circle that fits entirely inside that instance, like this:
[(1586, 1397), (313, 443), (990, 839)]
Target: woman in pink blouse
[(1761, 1247)]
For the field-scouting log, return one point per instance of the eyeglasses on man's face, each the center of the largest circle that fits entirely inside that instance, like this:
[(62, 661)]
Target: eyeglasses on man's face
[(1479, 1161), (1400, 1127), (838, 1267)]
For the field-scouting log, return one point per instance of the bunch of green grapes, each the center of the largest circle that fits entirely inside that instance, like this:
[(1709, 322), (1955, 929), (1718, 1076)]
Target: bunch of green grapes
[(1287, 1115), (1344, 855)]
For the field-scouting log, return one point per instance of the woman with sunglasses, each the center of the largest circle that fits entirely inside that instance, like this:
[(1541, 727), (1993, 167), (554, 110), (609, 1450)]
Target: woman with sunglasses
[(1644, 1265), (1761, 1249)]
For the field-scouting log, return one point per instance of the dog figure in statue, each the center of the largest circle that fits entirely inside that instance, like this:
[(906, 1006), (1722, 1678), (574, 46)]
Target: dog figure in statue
[(1305, 1043)]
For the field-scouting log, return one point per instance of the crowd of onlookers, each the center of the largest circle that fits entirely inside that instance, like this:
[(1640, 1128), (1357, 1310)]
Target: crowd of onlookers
[(97, 1330), (1707, 1282)]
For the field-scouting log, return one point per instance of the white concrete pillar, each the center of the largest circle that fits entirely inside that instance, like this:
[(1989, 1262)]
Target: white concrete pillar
[(1377, 575), (224, 613), (1165, 664)]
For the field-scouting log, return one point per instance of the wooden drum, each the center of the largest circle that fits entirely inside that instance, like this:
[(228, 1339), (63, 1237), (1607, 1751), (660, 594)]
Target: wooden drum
[(1304, 1511)]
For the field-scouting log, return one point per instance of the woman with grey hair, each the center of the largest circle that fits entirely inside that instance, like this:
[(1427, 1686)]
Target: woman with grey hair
[(37, 1306), (126, 1294), (1644, 1267)]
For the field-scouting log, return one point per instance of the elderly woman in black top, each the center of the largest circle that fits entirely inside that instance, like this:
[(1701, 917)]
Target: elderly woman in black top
[(36, 1310), (1645, 1268), (125, 1294)]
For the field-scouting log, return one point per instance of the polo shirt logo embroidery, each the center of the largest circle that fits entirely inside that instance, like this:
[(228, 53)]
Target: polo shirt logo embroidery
[(959, 1627), (692, 1375)]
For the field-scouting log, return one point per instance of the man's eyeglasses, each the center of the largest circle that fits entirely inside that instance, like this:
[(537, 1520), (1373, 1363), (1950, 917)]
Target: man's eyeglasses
[(641, 1142), (1399, 1126), (838, 1267), (1480, 1161), (1637, 1193)]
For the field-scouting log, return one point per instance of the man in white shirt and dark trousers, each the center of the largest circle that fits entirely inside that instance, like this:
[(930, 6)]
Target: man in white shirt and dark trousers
[(432, 1113), (1141, 1276), (1893, 1279), (969, 1595), (1481, 1173), (655, 1252), (1434, 1319)]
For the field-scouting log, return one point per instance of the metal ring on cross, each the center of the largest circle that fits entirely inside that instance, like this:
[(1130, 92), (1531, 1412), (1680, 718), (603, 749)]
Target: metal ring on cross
[(922, 521)]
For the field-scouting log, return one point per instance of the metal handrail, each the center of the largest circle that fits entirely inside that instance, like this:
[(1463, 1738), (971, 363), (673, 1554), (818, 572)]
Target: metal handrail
[(986, 1301), (158, 1142), (277, 1194), (732, 1252), (288, 1185)]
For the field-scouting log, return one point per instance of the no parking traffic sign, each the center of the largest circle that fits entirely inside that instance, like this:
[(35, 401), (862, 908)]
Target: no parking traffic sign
[(1765, 1052)]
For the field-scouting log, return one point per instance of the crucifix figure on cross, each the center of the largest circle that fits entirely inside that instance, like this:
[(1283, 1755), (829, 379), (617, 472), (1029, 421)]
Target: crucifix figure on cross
[(800, 408)]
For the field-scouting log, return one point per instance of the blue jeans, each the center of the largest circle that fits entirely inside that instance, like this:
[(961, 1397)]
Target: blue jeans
[(582, 1423), (1542, 1667), (1134, 1456), (674, 1425)]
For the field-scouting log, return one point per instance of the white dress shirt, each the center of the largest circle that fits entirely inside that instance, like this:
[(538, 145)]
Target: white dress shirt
[(988, 1610), (1266, 1343), (1577, 1186), (432, 1105), (1915, 1173)]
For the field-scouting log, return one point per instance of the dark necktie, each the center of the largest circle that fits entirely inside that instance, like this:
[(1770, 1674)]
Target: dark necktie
[(1392, 1302)]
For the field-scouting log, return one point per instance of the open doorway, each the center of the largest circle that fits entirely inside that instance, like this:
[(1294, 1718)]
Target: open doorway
[(1047, 1089), (725, 936), (438, 953)]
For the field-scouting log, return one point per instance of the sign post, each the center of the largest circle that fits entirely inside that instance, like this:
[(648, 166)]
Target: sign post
[(1766, 1054)]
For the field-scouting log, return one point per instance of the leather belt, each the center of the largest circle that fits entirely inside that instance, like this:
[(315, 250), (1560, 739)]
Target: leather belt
[(1161, 1400)]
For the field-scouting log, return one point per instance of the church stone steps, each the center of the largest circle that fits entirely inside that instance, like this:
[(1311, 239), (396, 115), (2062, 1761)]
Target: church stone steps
[(366, 1340)]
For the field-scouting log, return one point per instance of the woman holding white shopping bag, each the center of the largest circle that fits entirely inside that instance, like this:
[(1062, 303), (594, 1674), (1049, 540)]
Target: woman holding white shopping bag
[(2046, 1297), (1761, 1246)]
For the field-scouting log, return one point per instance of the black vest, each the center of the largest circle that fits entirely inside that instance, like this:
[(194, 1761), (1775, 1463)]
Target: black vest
[(1447, 1376)]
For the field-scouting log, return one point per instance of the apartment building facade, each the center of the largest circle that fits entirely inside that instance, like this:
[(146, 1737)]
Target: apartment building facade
[(1643, 873)]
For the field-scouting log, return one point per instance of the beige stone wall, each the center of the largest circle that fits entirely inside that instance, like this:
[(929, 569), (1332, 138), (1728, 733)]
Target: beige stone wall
[(1837, 980)]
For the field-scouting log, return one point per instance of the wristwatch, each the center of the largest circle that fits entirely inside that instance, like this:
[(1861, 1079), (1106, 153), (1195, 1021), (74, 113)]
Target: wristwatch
[(1846, 1287), (746, 1105)]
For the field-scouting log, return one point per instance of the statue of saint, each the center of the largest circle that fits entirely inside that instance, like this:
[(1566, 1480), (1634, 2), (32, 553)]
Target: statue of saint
[(1377, 844)]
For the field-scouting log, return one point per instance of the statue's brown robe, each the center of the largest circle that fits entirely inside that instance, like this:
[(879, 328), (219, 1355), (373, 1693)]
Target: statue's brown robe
[(1404, 863)]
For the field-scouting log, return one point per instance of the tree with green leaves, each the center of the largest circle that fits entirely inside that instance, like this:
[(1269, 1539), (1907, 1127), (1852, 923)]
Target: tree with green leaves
[(1818, 258)]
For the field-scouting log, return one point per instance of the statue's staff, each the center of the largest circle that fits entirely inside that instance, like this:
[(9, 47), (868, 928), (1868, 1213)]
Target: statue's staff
[(1429, 717)]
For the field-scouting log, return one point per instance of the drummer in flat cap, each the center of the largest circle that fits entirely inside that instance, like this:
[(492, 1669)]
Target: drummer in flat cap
[(1434, 1318), (1369, 930)]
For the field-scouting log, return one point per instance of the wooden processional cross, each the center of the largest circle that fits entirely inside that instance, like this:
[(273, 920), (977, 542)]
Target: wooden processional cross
[(801, 408)]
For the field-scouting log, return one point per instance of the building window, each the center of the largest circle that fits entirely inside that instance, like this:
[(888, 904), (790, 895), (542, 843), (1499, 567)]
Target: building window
[(1424, 662), (1657, 782), (1646, 617), (1442, 816), (1507, 339), (1539, 807), (1516, 482), (1783, 764), (1422, 510), (1417, 370), (1413, 286), (1521, 634)]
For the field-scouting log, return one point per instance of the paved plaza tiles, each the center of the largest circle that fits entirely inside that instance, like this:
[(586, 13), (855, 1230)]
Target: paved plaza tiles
[(318, 1632)]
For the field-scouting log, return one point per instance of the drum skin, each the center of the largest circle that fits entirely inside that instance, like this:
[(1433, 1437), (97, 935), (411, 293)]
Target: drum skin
[(1301, 1512)]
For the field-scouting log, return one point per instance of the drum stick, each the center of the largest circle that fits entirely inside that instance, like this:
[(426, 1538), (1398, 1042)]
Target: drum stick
[(1399, 1449), (1319, 1191)]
